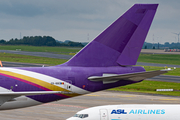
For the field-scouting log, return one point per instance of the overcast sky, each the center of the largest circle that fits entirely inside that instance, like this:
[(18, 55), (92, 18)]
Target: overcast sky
[(75, 19)]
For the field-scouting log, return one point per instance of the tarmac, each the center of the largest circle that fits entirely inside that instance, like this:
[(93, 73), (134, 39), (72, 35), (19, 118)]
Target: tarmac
[(40, 54), (63, 109), (60, 56), (156, 51)]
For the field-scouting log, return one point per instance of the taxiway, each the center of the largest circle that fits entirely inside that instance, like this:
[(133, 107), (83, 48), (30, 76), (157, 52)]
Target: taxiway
[(60, 110), (63, 109), (60, 56)]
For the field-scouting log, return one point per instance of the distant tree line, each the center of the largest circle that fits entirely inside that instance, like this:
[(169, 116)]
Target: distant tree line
[(40, 41), (50, 41), (161, 46)]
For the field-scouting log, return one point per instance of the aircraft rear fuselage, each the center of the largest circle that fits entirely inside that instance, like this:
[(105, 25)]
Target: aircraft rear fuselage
[(104, 63), (72, 80)]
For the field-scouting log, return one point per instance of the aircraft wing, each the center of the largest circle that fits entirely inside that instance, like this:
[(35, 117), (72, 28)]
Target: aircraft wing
[(111, 78), (7, 96)]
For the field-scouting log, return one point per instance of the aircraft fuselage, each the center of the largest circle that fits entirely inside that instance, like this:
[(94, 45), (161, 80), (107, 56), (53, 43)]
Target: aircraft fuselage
[(72, 80)]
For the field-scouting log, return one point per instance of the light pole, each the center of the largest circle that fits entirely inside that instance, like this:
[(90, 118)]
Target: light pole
[(178, 35)]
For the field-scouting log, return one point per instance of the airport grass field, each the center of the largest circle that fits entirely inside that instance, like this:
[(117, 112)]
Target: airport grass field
[(160, 58), (57, 50), (150, 87), (30, 59), (145, 86)]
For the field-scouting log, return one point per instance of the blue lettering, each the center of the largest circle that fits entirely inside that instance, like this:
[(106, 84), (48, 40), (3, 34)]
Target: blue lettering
[(139, 111), (162, 111), (119, 111), (158, 111), (132, 111), (144, 112), (124, 112), (136, 112), (113, 112), (153, 111)]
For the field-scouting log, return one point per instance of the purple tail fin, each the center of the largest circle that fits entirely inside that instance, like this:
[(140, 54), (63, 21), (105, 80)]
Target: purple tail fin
[(121, 42)]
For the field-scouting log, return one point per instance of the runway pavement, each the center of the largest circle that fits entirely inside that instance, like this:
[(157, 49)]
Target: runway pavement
[(40, 54), (166, 78), (157, 51), (16, 64), (156, 64), (60, 56), (63, 109)]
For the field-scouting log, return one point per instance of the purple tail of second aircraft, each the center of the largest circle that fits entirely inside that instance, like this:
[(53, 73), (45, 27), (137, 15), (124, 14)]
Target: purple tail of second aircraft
[(121, 42)]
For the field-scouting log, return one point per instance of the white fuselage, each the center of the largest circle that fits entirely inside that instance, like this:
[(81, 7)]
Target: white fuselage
[(130, 112)]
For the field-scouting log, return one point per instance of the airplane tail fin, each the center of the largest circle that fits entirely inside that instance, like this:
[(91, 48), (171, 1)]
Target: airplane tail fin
[(121, 42)]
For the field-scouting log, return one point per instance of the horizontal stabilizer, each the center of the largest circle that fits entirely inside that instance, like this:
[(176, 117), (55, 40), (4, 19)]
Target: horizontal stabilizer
[(111, 78)]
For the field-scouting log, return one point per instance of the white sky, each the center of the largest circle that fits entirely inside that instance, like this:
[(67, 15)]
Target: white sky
[(75, 19)]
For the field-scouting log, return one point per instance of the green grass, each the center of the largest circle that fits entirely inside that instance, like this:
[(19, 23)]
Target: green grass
[(53, 61), (150, 87), (30, 59), (143, 87), (175, 72), (150, 58), (58, 50), (147, 86), (160, 58)]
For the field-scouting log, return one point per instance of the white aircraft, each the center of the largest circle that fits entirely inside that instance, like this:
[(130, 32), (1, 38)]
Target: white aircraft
[(129, 112)]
